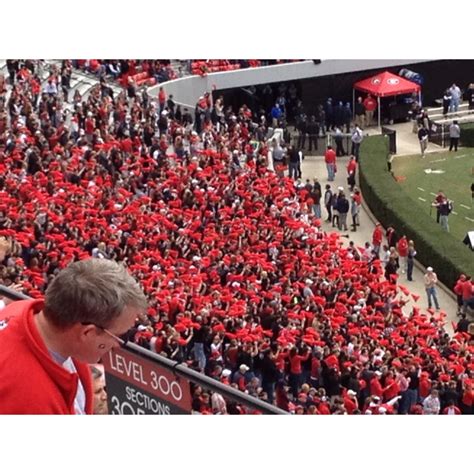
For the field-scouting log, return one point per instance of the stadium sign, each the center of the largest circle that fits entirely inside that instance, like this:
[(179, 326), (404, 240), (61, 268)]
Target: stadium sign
[(136, 386)]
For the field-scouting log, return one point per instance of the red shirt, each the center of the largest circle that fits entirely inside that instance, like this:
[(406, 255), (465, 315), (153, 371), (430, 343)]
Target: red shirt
[(295, 363), (376, 387), (370, 104), (31, 381), (402, 247), (330, 156), (467, 290), (351, 166), (377, 236)]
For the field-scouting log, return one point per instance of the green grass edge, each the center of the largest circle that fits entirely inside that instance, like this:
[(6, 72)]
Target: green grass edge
[(391, 206)]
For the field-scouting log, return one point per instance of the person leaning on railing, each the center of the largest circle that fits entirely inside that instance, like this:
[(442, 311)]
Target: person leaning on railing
[(45, 345)]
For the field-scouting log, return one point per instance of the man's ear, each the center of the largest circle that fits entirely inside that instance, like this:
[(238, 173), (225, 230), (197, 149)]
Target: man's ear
[(85, 331)]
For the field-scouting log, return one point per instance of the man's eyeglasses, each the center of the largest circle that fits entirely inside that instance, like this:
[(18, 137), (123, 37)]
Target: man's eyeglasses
[(122, 339)]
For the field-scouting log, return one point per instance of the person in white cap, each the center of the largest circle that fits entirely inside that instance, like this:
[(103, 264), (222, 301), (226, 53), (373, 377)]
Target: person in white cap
[(431, 279)]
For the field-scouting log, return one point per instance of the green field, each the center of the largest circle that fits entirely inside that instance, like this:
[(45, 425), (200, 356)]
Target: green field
[(454, 178)]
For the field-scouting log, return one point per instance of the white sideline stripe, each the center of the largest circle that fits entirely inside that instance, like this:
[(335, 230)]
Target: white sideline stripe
[(465, 207), (437, 161), (421, 189), (454, 213), (469, 219), (433, 194), (421, 199)]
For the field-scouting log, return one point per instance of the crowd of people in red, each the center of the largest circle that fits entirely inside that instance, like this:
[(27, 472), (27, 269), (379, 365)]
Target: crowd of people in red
[(242, 282)]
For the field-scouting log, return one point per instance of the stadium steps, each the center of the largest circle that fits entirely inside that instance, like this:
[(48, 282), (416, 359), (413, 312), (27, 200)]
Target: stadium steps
[(462, 115)]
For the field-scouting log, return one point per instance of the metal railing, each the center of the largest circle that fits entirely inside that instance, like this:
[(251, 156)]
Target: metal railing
[(181, 370)]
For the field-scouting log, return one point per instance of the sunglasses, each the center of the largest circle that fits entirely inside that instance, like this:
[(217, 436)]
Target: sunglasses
[(122, 339)]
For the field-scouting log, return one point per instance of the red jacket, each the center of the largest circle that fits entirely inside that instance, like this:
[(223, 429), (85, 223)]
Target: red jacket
[(31, 381), (377, 236)]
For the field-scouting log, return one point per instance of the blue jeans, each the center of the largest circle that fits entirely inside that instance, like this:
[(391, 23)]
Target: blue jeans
[(317, 210), (454, 105), (331, 171), (199, 355), (431, 293)]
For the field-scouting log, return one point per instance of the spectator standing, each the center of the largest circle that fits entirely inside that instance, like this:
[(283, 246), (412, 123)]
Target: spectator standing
[(402, 248), (343, 208), (356, 201), (330, 159), (356, 139), (446, 103), (455, 92), (411, 254), (360, 113), (370, 104), (458, 292), (454, 135), (328, 202), (431, 280), (313, 133), (423, 139), (351, 172), (377, 237), (338, 138), (467, 294), (445, 209)]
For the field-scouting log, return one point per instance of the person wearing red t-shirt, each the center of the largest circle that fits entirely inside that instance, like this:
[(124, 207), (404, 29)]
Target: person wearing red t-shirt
[(467, 294), (295, 368), (370, 105), (377, 237), (351, 172), (402, 248), (161, 99), (330, 159), (458, 291)]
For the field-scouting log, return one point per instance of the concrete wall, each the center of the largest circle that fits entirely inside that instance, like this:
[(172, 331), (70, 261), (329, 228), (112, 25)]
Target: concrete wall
[(187, 90)]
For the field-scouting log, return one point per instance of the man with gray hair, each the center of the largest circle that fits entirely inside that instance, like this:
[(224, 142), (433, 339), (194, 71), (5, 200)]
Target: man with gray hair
[(45, 345)]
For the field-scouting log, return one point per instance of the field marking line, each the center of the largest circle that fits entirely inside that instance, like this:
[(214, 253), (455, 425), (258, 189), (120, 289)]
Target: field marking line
[(433, 194), (421, 189), (437, 161), (469, 219), (465, 207), (454, 213), (421, 199)]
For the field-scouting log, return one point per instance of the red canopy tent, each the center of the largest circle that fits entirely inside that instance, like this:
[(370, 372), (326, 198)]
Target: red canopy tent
[(385, 84)]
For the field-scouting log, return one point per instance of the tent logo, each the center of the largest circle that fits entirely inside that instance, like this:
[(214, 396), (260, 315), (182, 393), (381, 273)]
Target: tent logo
[(376, 80), (393, 81)]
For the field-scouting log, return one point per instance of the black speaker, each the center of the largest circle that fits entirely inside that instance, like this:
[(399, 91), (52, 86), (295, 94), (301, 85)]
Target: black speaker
[(316, 61)]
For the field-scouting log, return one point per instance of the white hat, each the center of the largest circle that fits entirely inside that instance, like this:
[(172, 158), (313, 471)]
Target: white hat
[(429, 269), (244, 368)]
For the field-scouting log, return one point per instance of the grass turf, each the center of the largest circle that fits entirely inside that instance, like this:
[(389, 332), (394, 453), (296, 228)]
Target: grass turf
[(455, 182)]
